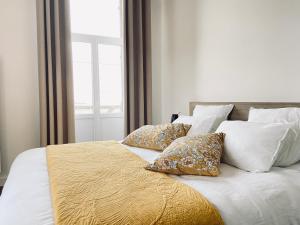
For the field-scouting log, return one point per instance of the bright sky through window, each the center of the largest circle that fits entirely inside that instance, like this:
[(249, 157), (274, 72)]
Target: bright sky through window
[(96, 17), (97, 56)]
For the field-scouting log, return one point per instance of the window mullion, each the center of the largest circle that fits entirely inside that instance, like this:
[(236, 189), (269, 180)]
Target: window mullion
[(96, 88)]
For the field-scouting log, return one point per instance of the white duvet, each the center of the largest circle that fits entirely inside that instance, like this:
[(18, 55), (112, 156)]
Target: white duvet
[(241, 197)]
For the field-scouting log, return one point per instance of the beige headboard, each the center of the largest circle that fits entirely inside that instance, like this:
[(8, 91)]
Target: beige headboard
[(241, 109)]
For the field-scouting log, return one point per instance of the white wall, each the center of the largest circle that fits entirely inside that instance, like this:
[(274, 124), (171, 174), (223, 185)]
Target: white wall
[(229, 50), (19, 109)]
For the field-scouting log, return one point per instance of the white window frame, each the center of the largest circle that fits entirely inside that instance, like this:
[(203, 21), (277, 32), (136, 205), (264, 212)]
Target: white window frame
[(95, 41)]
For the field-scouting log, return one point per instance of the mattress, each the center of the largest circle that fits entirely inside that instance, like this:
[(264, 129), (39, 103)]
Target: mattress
[(242, 198)]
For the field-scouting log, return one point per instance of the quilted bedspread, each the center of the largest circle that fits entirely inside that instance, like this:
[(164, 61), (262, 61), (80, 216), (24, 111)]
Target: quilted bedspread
[(104, 183)]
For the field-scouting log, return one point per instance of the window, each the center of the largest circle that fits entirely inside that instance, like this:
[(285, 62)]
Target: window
[(83, 77), (105, 13), (97, 56), (110, 68), (97, 68)]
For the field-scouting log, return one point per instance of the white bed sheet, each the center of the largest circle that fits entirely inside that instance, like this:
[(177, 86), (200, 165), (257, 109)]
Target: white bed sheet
[(242, 198)]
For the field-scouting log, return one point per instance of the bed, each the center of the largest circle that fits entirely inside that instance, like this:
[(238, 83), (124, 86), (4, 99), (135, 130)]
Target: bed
[(242, 198)]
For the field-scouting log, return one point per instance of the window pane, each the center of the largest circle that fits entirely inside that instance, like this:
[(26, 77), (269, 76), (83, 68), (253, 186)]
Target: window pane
[(85, 14), (110, 79), (83, 79)]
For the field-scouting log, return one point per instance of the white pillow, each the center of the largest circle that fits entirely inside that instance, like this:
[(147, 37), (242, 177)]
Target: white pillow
[(219, 111), (290, 154), (184, 119), (252, 146), (200, 125), (279, 115)]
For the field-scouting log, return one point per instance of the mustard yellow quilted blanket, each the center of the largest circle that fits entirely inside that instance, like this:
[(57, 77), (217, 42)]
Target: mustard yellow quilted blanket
[(104, 183)]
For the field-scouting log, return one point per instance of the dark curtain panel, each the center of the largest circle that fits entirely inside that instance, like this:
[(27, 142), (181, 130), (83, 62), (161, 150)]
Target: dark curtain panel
[(55, 72), (138, 80)]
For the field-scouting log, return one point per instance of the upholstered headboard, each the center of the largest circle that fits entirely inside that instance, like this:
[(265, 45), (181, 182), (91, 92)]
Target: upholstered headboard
[(241, 109)]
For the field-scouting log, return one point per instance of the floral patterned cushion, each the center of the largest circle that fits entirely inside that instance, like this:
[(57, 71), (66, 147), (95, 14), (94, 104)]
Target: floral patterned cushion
[(196, 155), (156, 137)]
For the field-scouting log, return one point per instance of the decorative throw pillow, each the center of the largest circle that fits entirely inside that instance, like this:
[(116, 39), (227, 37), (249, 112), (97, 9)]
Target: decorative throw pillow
[(156, 137), (195, 155)]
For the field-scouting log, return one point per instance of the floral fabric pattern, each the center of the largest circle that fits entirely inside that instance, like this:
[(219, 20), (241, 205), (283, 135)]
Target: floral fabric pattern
[(157, 137), (195, 155)]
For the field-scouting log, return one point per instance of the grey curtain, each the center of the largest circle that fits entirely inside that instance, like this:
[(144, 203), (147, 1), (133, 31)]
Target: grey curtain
[(55, 72), (138, 79)]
